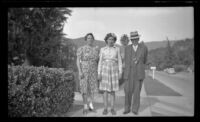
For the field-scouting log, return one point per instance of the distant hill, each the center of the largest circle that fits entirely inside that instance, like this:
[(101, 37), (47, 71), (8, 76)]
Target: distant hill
[(81, 41), (183, 50), (183, 55), (158, 44), (151, 45)]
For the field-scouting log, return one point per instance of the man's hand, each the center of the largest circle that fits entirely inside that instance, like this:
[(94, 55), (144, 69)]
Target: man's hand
[(125, 80), (99, 77), (120, 76)]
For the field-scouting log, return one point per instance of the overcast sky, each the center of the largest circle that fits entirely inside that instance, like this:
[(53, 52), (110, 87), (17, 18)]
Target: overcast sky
[(152, 23)]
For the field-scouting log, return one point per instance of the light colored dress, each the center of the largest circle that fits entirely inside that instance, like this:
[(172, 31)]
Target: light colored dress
[(122, 53), (109, 67), (88, 63)]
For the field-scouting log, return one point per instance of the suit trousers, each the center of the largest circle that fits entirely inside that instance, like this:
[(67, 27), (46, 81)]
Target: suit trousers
[(132, 97)]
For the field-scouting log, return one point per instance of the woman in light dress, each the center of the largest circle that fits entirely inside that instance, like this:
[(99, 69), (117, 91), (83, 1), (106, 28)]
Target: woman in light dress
[(109, 71)]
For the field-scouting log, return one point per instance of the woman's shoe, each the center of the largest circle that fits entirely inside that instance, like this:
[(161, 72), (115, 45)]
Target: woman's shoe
[(113, 111), (105, 111), (126, 111), (93, 110)]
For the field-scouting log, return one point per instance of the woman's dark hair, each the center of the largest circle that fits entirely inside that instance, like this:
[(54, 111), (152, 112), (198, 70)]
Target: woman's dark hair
[(88, 35), (110, 35)]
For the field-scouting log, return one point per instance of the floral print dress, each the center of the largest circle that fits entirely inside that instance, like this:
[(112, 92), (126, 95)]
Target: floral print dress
[(88, 63)]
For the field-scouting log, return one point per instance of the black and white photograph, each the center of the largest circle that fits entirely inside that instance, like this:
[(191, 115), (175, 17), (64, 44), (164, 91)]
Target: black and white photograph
[(101, 61)]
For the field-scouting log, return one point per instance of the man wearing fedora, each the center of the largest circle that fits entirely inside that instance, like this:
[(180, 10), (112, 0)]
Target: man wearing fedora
[(134, 73)]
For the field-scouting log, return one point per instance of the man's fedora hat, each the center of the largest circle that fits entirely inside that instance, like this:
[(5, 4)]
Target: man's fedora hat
[(134, 35)]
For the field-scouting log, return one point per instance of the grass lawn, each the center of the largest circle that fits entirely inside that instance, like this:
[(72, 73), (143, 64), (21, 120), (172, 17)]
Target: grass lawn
[(156, 88)]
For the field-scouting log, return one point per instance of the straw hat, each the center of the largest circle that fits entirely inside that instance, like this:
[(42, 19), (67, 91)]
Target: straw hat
[(134, 35)]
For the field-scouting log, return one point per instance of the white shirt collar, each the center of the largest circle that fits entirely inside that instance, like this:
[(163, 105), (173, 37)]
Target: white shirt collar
[(135, 47)]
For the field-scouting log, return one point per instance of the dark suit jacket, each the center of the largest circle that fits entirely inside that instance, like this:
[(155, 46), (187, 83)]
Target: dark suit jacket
[(135, 72)]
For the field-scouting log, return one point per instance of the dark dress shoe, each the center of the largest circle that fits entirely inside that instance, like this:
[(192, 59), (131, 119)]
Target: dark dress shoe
[(105, 111), (126, 112), (136, 113), (113, 111)]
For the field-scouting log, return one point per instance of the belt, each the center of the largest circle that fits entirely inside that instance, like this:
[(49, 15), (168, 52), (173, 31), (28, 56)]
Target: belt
[(87, 61), (108, 60)]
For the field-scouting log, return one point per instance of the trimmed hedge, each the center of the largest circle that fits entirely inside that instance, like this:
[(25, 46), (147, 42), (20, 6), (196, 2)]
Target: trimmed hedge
[(39, 91)]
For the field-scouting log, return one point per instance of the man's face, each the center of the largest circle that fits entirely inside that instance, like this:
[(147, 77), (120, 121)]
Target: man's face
[(135, 41)]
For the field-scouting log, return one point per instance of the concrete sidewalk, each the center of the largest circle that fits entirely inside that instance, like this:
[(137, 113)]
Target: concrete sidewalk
[(76, 110), (159, 97)]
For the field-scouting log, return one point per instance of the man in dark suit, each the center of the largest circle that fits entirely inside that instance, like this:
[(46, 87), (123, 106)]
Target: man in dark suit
[(134, 73)]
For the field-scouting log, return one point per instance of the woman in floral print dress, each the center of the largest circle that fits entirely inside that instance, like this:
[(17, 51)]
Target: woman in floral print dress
[(87, 62)]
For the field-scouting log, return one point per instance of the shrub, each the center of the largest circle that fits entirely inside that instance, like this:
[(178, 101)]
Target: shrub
[(39, 91), (179, 68)]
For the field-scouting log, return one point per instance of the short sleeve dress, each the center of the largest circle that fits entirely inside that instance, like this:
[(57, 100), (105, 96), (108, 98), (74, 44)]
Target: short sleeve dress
[(109, 67), (88, 64)]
